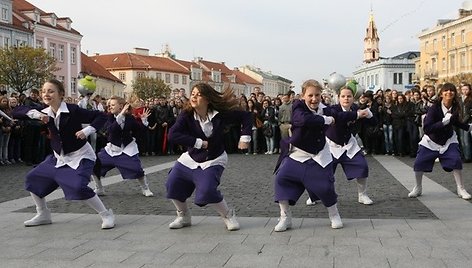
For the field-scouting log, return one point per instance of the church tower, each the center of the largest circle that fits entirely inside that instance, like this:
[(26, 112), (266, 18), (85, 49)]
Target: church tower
[(371, 41)]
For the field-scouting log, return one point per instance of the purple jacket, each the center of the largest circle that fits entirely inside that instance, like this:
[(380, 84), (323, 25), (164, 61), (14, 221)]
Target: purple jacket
[(344, 125), (308, 131), (434, 128), (118, 136), (69, 124), (186, 130)]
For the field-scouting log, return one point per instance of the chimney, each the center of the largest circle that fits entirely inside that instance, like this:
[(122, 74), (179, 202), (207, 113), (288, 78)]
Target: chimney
[(141, 51), (464, 13)]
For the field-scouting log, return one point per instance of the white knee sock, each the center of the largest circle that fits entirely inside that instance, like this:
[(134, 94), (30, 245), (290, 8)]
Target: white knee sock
[(180, 206), (95, 203), (284, 207), (143, 183), (222, 208), (419, 178), (39, 202), (458, 178)]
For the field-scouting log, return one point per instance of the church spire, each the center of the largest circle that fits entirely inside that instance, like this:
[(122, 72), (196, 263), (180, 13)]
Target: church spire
[(371, 41)]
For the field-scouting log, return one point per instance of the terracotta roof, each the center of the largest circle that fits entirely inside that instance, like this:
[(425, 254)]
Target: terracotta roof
[(127, 61), (242, 78), (217, 66), (20, 6), (90, 67)]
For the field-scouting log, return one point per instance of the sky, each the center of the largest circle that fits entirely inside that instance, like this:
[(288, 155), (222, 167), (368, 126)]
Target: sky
[(297, 39)]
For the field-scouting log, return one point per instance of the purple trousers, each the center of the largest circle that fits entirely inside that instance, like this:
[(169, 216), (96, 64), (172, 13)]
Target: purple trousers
[(182, 181), (450, 159), (129, 166), (45, 178), (294, 177), (353, 168)]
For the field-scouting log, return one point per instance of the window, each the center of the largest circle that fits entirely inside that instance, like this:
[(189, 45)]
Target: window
[(435, 48), (463, 36), (5, 14), (376, 79), (433, 65), (426, 44), (61, 53), (453, 39), (122, 76), (141, 74), (159, 76), (168, 78), (52, 50), (452, 62), (73, 84), (397, 78), (184, 79), (444, 65), (443, 41), (6, 41), (410, 78), (73, 55), (462, 60), (176, 78), (39, 43)]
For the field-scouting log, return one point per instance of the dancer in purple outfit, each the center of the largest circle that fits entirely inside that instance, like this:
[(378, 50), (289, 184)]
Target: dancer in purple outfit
[(440, 141), (306, 163), (71, 164), (343, 144), (200, 128), (121, 150)]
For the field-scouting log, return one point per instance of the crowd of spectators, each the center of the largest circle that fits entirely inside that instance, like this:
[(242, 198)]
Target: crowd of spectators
[(397, 132)]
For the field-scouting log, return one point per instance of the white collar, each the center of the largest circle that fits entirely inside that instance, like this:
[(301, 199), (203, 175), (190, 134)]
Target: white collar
[(210, 115), (62, 109), (444, 109)]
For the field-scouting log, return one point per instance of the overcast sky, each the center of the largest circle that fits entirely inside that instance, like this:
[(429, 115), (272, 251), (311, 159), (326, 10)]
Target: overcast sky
[(297, 39)]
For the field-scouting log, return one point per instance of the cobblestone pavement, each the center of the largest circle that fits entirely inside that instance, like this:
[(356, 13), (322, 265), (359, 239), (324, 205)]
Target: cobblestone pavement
[(433, 230), (247, 185)]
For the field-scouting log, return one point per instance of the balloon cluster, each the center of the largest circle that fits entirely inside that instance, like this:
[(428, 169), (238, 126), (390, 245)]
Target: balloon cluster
[(86, 85)]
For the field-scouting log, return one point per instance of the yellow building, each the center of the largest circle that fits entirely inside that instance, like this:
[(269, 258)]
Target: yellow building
[(446, 50)]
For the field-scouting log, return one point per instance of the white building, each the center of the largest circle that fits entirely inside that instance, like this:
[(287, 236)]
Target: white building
[(272, 85), (394, 73)]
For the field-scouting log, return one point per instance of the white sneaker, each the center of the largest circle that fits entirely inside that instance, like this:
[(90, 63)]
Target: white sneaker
[(100, 191), (334, 217), (285, 222), (230, 221), (310, 203), (184, 219), (336, 222), (364, 199), (462, 193), (42, 217), (147, 192), (417, 191), (108, 219)]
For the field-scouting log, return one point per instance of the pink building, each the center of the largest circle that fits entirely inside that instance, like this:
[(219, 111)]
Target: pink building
[(56, 36)]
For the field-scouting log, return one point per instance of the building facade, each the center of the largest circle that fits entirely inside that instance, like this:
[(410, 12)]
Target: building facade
[(56, 35), (127, 67), (446, 51), (384, 73), (272, 85)]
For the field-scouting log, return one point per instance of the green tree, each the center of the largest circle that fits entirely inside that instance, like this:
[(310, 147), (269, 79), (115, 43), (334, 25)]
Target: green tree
[(150, 87), (24, 68)]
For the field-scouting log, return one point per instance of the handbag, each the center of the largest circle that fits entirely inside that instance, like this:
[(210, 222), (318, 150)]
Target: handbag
[(259, 123)]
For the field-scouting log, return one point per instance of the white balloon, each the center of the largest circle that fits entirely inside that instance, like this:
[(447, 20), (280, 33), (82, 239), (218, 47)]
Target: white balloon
[(336, 81)]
